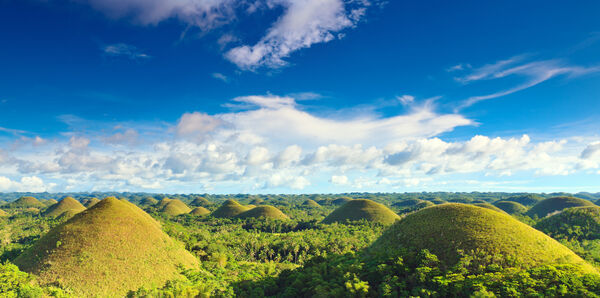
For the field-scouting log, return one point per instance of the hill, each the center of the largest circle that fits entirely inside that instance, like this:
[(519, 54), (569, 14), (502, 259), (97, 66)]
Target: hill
[(148, 201), (581, 223), (511, 207), (175, 207), (230, 208), (200, 202), (362, 209), (547, 206), (200, 211), (66, 204), (488, 206), (256, 201), (407, 203), (3, 213), (263, 211), (310, 203), (88, 203), (525, 200), (26, 202), (162, 203), (106, 250), (447, 229), (341, 201)]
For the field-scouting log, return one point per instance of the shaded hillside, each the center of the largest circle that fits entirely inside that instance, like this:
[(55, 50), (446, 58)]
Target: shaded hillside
[(199, 211), (361, 209), (175, 207), (311, 204), (547, 206), (581, 223), (25, 202), (511, 207), (229, 208), (66, 204), (106, 250)]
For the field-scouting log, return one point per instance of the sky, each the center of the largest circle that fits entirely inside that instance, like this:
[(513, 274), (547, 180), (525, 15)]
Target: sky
[(299, 96)]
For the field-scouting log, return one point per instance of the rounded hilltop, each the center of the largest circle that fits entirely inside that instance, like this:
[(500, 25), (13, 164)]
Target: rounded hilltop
[(175, 207), (488, 206), (200, 202), (525, 200), (449, 230), (263, 211), (547, 206), (88, 203), (562, 225), (50, 202), (511, 207), (407, 203), (67, 204), (341, 201), (26, 202), (362, 209), (199, 211), (311, 204), (107, 250), (148, 201), (229, 208), (163, 202)]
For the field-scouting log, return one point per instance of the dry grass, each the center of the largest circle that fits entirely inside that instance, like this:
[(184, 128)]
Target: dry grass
[(362, 209)]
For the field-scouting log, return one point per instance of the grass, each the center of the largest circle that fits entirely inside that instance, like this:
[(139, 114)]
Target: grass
[(511, 207), (525, 200), (175, 207), (200, 202), (67, 204), (447, 230), (407, 203), (341, 201), (106, 251), (90, 202), (26, 202), (230, 208), (148, 201), (162, 203), (3, 213), (50, 202), (488, 206), (581, 223), (362, 209), (310, 203), (200, 211), (264, 211), (547, 206)]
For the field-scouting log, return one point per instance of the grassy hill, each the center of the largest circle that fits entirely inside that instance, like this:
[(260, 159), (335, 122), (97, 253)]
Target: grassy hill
[(407, 203), (50, 202), (175, 207), (525, 200), (88, 203), (3, 213), (230, 208), (263, 211), (547, 206), (310, 203), (162, 203), (488, 206), (362, 209), (200, 202), (447, 229), (581, 223), (511, 207), (106, 250), (341, 201), (26, 202), (200, 211), (148, 201), (66, 204)]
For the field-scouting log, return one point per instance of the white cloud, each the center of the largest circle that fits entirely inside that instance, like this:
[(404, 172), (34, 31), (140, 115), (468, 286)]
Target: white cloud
[(532, 74), (25, 184), (220, 76), (305, 22), (406, 99), (591, 151), (125, 50), (196, 125), (339, 180)]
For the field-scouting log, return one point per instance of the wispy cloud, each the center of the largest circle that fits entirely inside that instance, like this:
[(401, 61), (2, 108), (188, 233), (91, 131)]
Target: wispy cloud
[(126, 51), (220, 76), (532, 74)]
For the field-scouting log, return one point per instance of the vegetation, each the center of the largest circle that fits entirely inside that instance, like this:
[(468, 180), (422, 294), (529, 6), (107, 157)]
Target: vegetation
[(67, 204), (548, 206), (362, 209), (265, 211), (90, 202), (579, 223), (311, 204), (489, 206), (229, 209), (200, 211), (108, 249), (526, 199), (175, 207), (511, 207), (26, 202)]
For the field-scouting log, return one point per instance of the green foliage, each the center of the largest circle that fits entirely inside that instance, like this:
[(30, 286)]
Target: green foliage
[(265, 211), (362, 209), (489, 206), (200, 211), (526, 199), (175, 207), (547, 206), (511, 207), (229, 209), (579, 223), (14, 283)]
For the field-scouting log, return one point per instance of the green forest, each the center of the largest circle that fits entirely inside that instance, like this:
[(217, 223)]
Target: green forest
[(322, 245)]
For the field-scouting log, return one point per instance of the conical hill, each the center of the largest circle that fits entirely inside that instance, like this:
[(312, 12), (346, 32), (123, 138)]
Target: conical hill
[(66, 204), (176, 207), (200, 211), (230, 208), (547, 206), (26, 202), (511, 207), (106, 250), (447, 230), (263, 211), (360, 209)]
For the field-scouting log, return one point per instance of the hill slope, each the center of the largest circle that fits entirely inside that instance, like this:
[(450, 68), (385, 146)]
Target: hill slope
[(230, 208), (511, 207), (550, 205), (175, 207), (446, 229), (200, 211), (362, 209), (67, 204), (26, 202), (263, 211), (106, 250), (88, 203), (581, 223), (311, 204)]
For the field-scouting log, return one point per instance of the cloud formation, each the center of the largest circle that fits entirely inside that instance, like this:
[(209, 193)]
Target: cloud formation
[(125, 50)]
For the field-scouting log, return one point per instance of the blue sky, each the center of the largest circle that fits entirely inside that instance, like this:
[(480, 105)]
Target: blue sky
[(281, 96)]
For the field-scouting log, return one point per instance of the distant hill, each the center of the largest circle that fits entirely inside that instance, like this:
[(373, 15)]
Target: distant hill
[(106, 250), (341, 201), (200, 202), (66, 204), (511, 207), (360, 209), (488, 206), (310, 203), (407, 203), (263, 211), (148, 201), (547, 206), (581, 223), (525, 200), (229, 208), (162, 203), (200, 211), (49, 202), (175, 207), (446, 230), (90, 202), (26, 202)]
